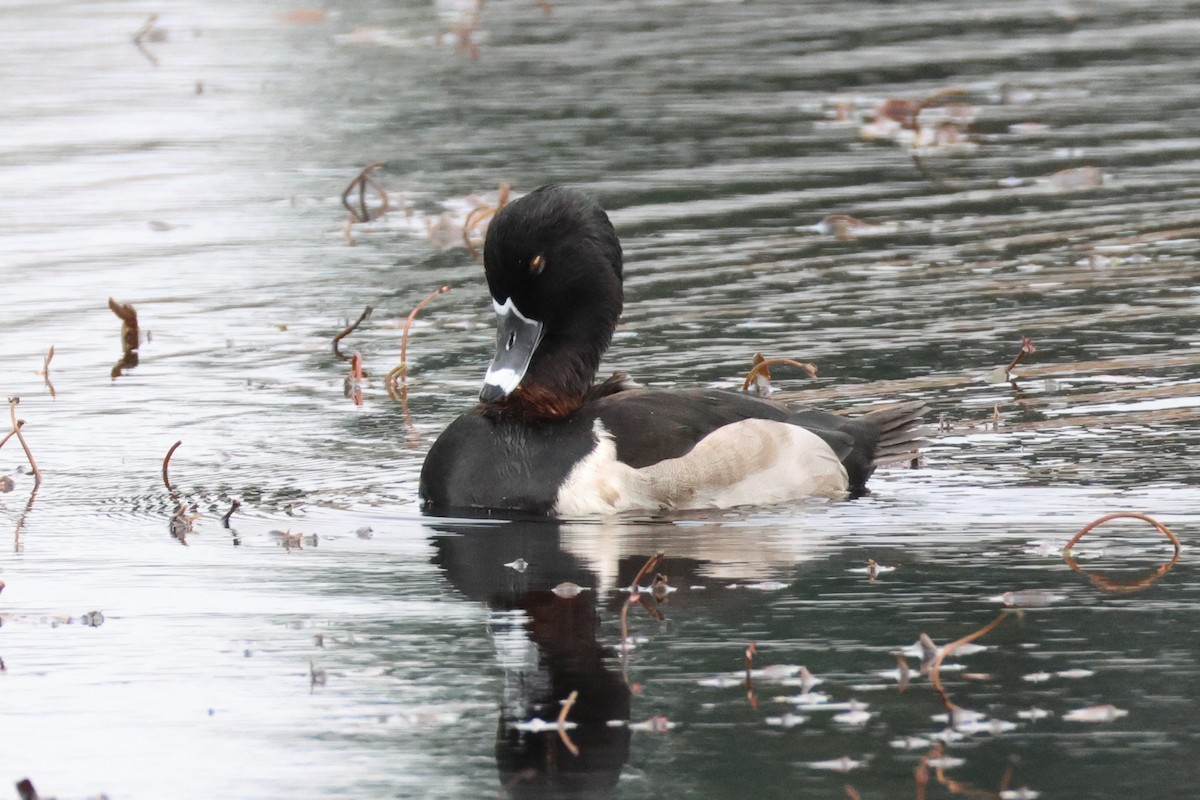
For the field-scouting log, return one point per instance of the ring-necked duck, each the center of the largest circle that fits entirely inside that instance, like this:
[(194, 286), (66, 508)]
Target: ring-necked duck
[(545, 439)]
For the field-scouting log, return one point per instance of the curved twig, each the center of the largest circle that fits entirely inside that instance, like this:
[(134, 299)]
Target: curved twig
[(1108, 584), (765, 364), (362, 213), (935, 671), (400, 373), (16, 428), (349, 329), (1163, 529), (167, 463)]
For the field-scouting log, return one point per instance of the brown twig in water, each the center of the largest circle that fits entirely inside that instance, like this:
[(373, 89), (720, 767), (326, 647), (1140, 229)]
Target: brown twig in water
[(362, 213), (1163, 529), (400, 373), (480, 214), (147, 31), (167, 463), (16, 429), (353, 384), (236, 505), (915, 125), (45, 371), (1108, 584), (851, 792), (763, 366), (349, 329), (748, 658), (1027, 347), (129, 324), (11, 433), (562, 718), (935, 677)]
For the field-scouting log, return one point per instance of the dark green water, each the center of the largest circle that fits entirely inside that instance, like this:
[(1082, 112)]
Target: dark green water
[(200, 178)]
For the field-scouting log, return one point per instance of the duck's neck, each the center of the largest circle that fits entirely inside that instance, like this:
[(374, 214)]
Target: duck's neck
[(562, 372)]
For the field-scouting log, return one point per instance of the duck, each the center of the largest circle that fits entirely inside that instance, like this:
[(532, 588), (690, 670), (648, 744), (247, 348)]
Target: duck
[(547, 439)]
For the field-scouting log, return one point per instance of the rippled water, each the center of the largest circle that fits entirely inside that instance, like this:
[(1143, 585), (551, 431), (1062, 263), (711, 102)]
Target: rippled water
[(199, 176)]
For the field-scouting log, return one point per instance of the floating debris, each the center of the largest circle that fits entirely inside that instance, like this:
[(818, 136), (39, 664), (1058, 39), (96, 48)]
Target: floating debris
[(361, 181), (519, 565), (1022, 793), (290, 540), (1028, 598), (1034, 713), (6, 484), (1037, 677), (349, 329), (657, 724), (1027, 347), (766, 586), (17, 425), (846, 227), (1100, 713), (843, 764), (365, 532), (805, 681), (761, 368), (1074, 179), (855, 716), (807, 699), (352, 385), (787, 721), (316, 676), (91, 619), (232, 508), (911, 743), (872, 569), (44, 372), (567, 590), (396, 380), (1075, 673)]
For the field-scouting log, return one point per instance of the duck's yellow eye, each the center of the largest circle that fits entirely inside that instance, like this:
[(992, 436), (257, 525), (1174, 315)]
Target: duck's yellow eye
[(537, 264)]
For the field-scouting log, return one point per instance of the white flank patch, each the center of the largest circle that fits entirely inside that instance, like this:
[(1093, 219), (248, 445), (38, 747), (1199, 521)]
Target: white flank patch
[(752, 462)]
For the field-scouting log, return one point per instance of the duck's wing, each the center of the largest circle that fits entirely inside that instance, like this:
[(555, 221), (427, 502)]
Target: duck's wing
[(651, 425)]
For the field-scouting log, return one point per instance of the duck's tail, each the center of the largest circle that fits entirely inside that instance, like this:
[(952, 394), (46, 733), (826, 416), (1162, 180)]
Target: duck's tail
[(901, 431)]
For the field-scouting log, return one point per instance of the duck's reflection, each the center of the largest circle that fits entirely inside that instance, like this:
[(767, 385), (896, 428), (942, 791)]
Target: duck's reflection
[(547, 644)]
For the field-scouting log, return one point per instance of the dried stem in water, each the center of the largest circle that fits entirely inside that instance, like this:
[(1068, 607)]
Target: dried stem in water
[(349, 329), (167, 463), (1126, 586), (763, 366), (935, 677), (362, 213), (129, 324), (16, 429), (400, 373)]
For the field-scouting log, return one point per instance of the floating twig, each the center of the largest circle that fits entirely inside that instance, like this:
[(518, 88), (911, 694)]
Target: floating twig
[(400, 373), (349, 329), (1127, 586), (352, 387), (1163, 529), (935, 677), (232, 508), (481, 214), (914, 122), (167, 463), (45, 371), (362, 213), (748, 659), (129, 324), (562, 719), (762, 366), (1027, 347), (148, 32), (16, 429), (11, 433)]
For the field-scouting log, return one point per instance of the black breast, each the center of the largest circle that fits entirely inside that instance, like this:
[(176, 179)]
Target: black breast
[(502, 462)]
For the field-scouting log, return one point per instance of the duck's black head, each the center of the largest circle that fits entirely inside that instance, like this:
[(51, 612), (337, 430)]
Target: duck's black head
[(553, 264)]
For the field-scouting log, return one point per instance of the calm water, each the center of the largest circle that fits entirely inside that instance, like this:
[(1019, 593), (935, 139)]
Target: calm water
[(390, 655)]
